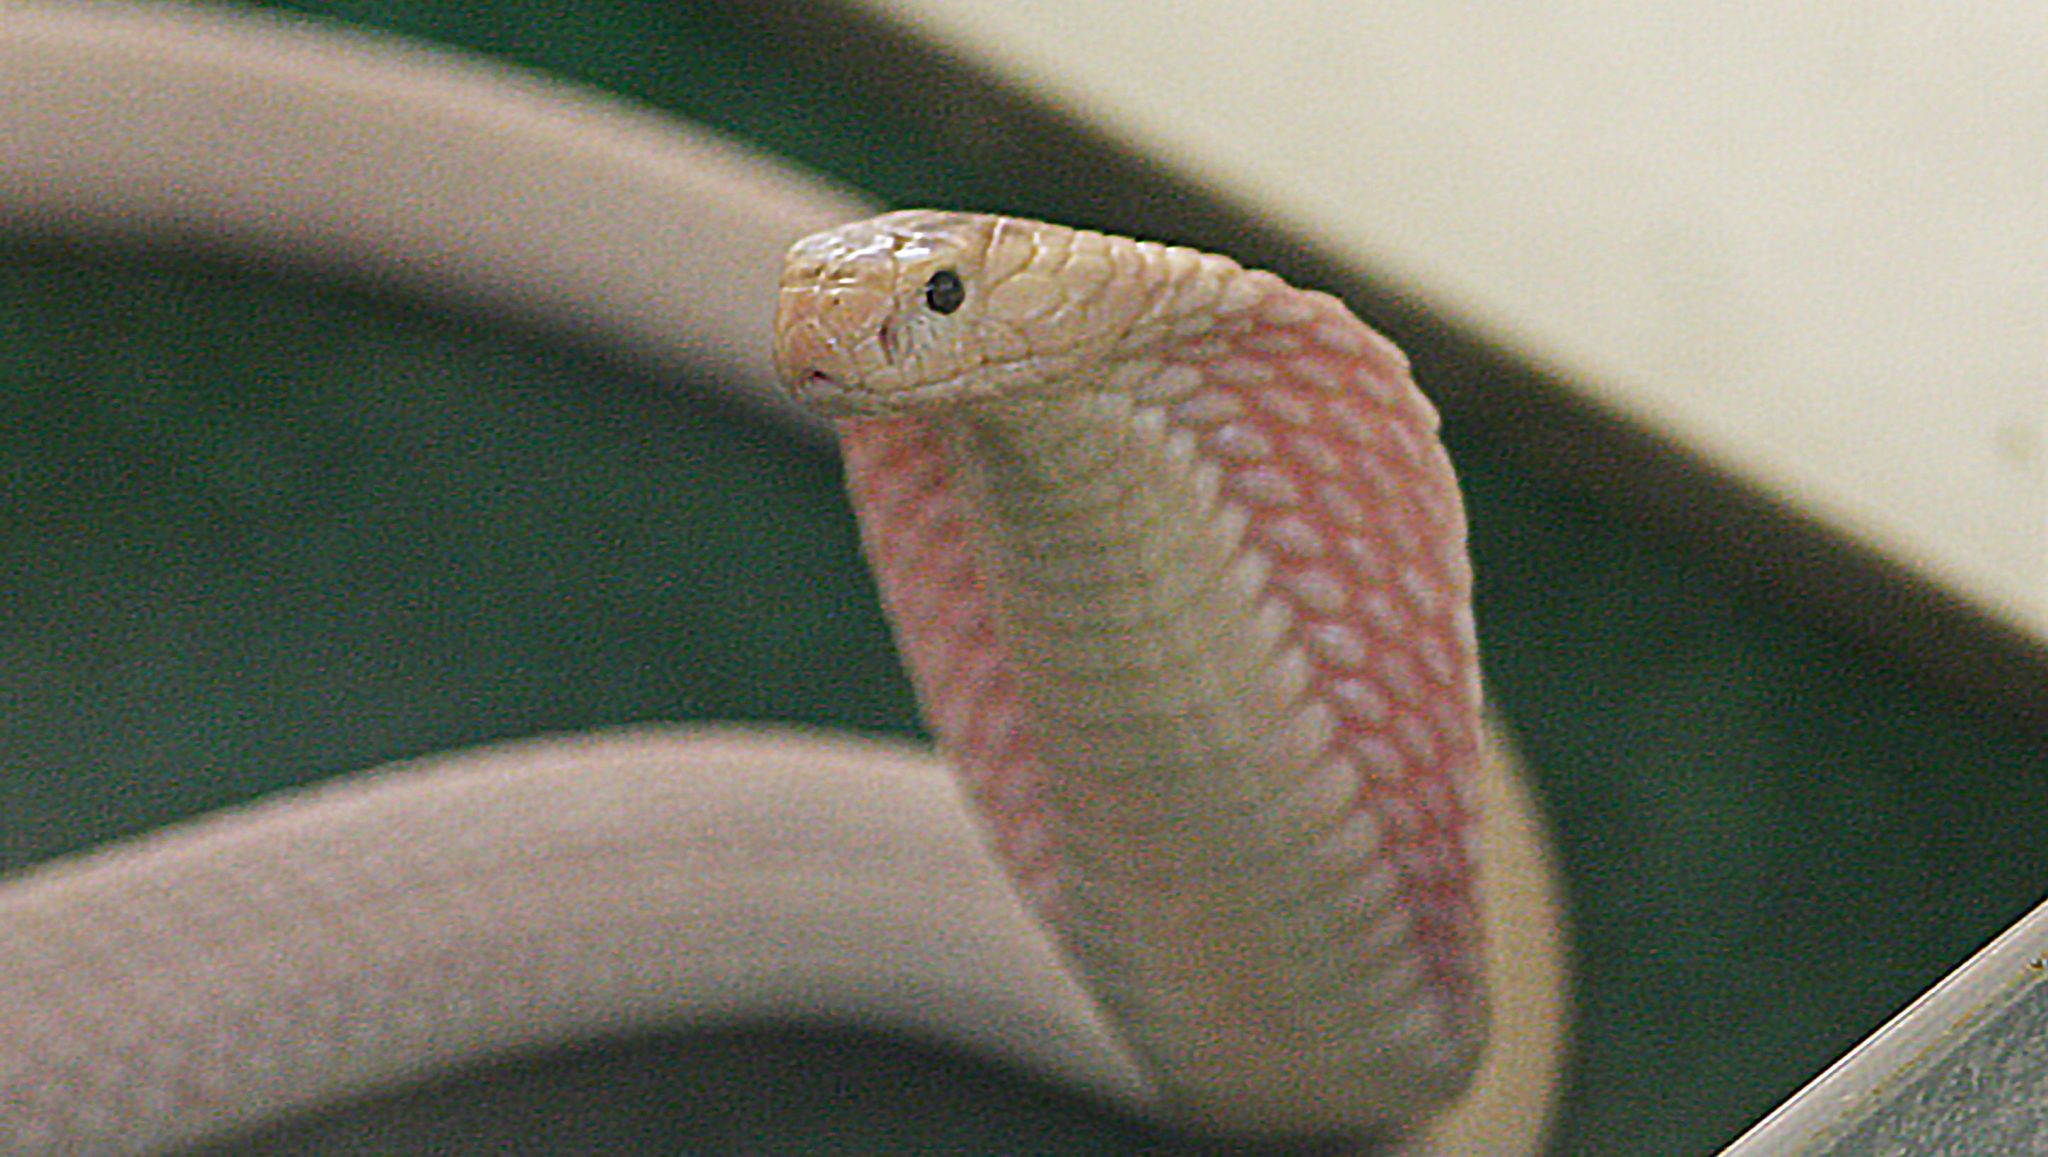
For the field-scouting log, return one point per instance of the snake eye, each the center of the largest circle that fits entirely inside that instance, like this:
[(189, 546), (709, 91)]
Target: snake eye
[(945, 291)]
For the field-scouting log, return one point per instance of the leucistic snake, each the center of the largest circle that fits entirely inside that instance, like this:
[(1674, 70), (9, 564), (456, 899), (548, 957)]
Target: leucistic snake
[(1177, 565)]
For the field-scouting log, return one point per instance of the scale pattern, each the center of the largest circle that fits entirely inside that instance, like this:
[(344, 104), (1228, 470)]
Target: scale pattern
[(1326, 455)]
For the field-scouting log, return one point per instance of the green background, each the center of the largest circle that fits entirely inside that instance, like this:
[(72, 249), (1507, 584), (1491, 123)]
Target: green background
[(260, 525)]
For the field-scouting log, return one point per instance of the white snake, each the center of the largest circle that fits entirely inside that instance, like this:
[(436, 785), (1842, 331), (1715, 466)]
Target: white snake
[(1177, 565)]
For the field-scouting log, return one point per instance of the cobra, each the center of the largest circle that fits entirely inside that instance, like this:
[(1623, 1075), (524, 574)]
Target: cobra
[(1177, 565)]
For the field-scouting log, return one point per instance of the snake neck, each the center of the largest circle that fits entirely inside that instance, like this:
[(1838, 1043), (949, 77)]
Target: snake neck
[(1124, 592), (1154, 725), (1195, 627)]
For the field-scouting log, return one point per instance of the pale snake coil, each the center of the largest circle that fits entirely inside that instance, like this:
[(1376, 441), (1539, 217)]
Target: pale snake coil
[(1177, 565)]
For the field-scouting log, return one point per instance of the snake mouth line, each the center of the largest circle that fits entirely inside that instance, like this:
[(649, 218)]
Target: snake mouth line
[(828, 395), (837, 398)]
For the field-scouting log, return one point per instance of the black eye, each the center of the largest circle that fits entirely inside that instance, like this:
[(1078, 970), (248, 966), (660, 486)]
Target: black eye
[(945, 291)]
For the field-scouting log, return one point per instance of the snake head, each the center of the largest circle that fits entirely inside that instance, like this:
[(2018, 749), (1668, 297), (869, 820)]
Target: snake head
[(923, 308)]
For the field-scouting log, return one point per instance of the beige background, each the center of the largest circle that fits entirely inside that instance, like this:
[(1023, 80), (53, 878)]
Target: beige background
[(1811, 240)]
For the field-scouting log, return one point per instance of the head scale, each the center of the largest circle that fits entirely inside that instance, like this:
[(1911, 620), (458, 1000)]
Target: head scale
[(922, 308)]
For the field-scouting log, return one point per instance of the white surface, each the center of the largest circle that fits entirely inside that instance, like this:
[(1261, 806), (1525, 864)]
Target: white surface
[(1811, 240), (1893, 1073)]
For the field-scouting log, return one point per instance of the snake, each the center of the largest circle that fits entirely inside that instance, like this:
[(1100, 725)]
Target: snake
[(1214, 826)]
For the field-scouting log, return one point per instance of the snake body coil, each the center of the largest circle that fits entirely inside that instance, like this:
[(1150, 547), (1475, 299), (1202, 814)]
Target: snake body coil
[(1177, 565)]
